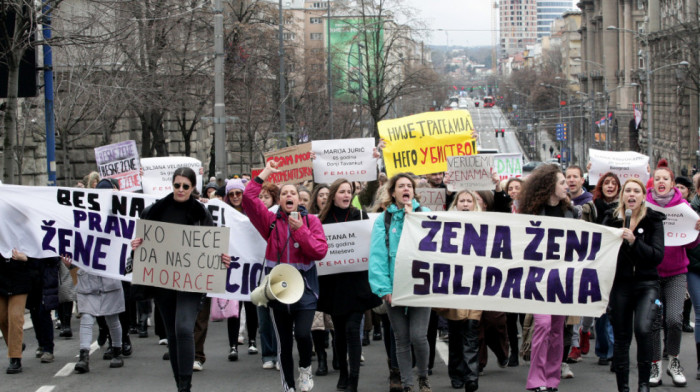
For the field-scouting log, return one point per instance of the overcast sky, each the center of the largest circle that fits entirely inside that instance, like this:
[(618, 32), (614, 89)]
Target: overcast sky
[(453, 16)]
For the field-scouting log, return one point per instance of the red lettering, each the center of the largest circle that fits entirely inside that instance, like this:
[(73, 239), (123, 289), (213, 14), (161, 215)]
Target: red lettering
[(176, 277), (210, 282), (187, 282), (146, 273), (167, 277), (197, 285), (423, 151)]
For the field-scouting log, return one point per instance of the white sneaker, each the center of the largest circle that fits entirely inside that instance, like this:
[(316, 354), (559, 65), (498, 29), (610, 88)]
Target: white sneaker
[(163, 342), (277, 365), (566, 371), (241, 339), (655, 375), (197, 366), (268, 365), (675, 370), (305, 382)]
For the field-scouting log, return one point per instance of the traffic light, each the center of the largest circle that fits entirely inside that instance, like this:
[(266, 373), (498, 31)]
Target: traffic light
[(566, 131), (559, 158)]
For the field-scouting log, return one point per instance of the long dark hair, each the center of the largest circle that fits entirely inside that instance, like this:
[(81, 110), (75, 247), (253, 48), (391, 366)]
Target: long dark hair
[(387, 197), (331, 196), (598, 190), (538, 188), (313, 203), (187, 173)]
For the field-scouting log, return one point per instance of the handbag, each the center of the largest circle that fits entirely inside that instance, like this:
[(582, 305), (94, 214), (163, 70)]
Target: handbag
[(66, 286), (222, 309)]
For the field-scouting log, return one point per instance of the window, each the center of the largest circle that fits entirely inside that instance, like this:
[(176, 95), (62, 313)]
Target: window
[(315, 21), (288, 36), (316, 36), (320, 4)]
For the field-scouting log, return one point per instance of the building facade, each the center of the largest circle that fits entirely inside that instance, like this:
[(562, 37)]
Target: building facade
[(518, 25), (548, 12)]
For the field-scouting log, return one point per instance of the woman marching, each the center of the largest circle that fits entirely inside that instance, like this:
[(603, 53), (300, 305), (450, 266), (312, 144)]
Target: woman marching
[(635, 292), (345, 296), (295, 238), (179, 309), (410, 324), (545, 193)]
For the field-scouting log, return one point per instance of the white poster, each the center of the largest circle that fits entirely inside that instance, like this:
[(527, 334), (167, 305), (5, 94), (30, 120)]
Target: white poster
[(508, 165), (472, 172), (625, 164), (158, 173), (505, 262), (348, 249), (679, 225), (120, 161), (433, 198), (347, 158)]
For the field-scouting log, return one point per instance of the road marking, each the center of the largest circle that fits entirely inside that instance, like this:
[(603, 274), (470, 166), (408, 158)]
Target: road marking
[(93, 347), (66, 370), (442, 350), (46, 388)]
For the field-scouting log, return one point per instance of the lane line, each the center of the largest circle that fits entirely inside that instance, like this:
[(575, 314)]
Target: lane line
[(46, 388), (66, 371)]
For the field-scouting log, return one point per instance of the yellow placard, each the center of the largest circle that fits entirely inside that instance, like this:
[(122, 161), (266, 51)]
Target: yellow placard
[(421, 143)]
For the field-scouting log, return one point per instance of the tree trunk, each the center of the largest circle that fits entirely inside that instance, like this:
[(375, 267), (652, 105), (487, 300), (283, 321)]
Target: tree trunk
[(10, 140), (152, 125)]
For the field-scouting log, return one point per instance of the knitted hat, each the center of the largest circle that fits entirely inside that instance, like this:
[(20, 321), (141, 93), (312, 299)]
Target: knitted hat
[(234, 184), (685, 181), (209, 186)]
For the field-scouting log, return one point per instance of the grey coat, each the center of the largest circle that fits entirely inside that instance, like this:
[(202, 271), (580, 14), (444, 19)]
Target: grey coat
[(99, 296)]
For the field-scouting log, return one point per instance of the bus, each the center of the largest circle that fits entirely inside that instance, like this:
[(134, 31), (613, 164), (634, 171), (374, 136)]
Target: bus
[(488, 101)]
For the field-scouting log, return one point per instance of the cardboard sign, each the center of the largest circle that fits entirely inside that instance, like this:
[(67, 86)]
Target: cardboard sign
[(509, 165), (472, 172), (421, 143), (294, 164), (350, 159), (433, 198), (505, 262), (158, 173), (347, 247), (679, 225), (625, 164), (181, 257), (120, 161)]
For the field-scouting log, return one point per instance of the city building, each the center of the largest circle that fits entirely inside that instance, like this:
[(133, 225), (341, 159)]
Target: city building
[(518, 25), (548, 11)]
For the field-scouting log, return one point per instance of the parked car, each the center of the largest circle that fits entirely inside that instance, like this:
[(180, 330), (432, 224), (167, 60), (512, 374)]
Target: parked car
[(532, 165)]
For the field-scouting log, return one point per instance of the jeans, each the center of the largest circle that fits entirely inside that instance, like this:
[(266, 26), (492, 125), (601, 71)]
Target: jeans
[(604, 338), (632, 307), (410, 325), (389, 342), (694, 290), (179, 311), (268, 341), (43, 328)]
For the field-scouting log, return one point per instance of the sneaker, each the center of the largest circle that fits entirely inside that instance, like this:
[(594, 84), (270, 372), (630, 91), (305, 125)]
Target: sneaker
[(675, 370), (241, 339), (163, 342), (585, 340), (268, 365), (574, 355), (423, 384), (305, 382), (252, 349), (655, 375), (39, 352), (47, 357), (198, 366), (566, 371), (277, 366), (233, 355)]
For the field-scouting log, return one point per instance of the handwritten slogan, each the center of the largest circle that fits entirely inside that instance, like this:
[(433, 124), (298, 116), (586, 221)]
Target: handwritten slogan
[(508, 165), (181, 257), (625, 164), (433, 198), (352, 159), (505, 262), (158, 173), (120, 161), (295, 165), (679, 225), (421, 143), (471, 172)]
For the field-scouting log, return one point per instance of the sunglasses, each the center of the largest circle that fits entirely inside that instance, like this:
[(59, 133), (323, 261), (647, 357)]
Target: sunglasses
[(235, 193), (177, 185)]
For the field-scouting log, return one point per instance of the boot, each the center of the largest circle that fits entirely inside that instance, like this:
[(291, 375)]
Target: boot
[(342, 381), (322, 363), (127, 349), (687, 306), (352, 384), (109, 353), (15, 366), (66, 332), (185, 384), (513, 360), (143, 325), (643, 387), (697, 351), (395, 381), (623, 380), (116, 361), (83, 364)]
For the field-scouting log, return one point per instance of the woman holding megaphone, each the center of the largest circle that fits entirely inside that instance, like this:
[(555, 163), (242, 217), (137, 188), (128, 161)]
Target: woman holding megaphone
[(294, 239)]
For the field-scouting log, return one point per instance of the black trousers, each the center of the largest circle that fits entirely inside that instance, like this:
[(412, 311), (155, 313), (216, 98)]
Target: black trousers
[(179, 311), (289, 326), (251, 323), (43, 327), (348, 342), (463, 359), (633, 308)]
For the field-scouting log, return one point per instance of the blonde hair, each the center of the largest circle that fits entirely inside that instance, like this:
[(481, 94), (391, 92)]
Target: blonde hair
[(453, 206), (90, 178), (620, 209)]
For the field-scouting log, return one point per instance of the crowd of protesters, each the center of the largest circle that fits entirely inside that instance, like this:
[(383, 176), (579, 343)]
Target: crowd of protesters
[(654, 287)]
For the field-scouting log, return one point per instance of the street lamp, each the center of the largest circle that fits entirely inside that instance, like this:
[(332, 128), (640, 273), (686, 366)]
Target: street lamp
[(644, 38)]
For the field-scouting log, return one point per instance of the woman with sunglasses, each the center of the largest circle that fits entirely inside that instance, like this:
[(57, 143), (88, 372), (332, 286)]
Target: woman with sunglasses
[(179, 309), (295, 238)]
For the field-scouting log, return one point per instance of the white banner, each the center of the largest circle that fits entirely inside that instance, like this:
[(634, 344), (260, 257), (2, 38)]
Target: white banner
[(625, 164), (679, 225), (472, 172), (95, 227), (348, 249), (505, 262), (348, 158), (158, 173), (509, 165), (120, 161), (433, 198)]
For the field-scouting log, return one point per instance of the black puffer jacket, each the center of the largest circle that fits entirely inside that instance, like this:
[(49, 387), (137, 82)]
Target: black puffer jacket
[(638, 262), (16, 277), (45, 289)]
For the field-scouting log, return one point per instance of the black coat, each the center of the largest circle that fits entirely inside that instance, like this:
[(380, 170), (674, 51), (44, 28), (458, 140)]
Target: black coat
[(347, 292), (638, 262), (45, 289), (16, 277)]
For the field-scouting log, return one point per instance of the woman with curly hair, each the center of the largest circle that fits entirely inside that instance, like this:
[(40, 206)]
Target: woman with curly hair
[(545, 193)]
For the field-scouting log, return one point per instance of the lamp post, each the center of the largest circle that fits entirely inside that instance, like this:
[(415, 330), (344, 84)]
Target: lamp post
[(282, 103), (644, 38)]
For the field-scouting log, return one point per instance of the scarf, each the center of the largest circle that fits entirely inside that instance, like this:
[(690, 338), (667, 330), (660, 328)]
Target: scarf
[(662, 200)]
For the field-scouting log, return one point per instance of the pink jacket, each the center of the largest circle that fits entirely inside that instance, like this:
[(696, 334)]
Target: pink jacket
[(301, 247), (675, 260)]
